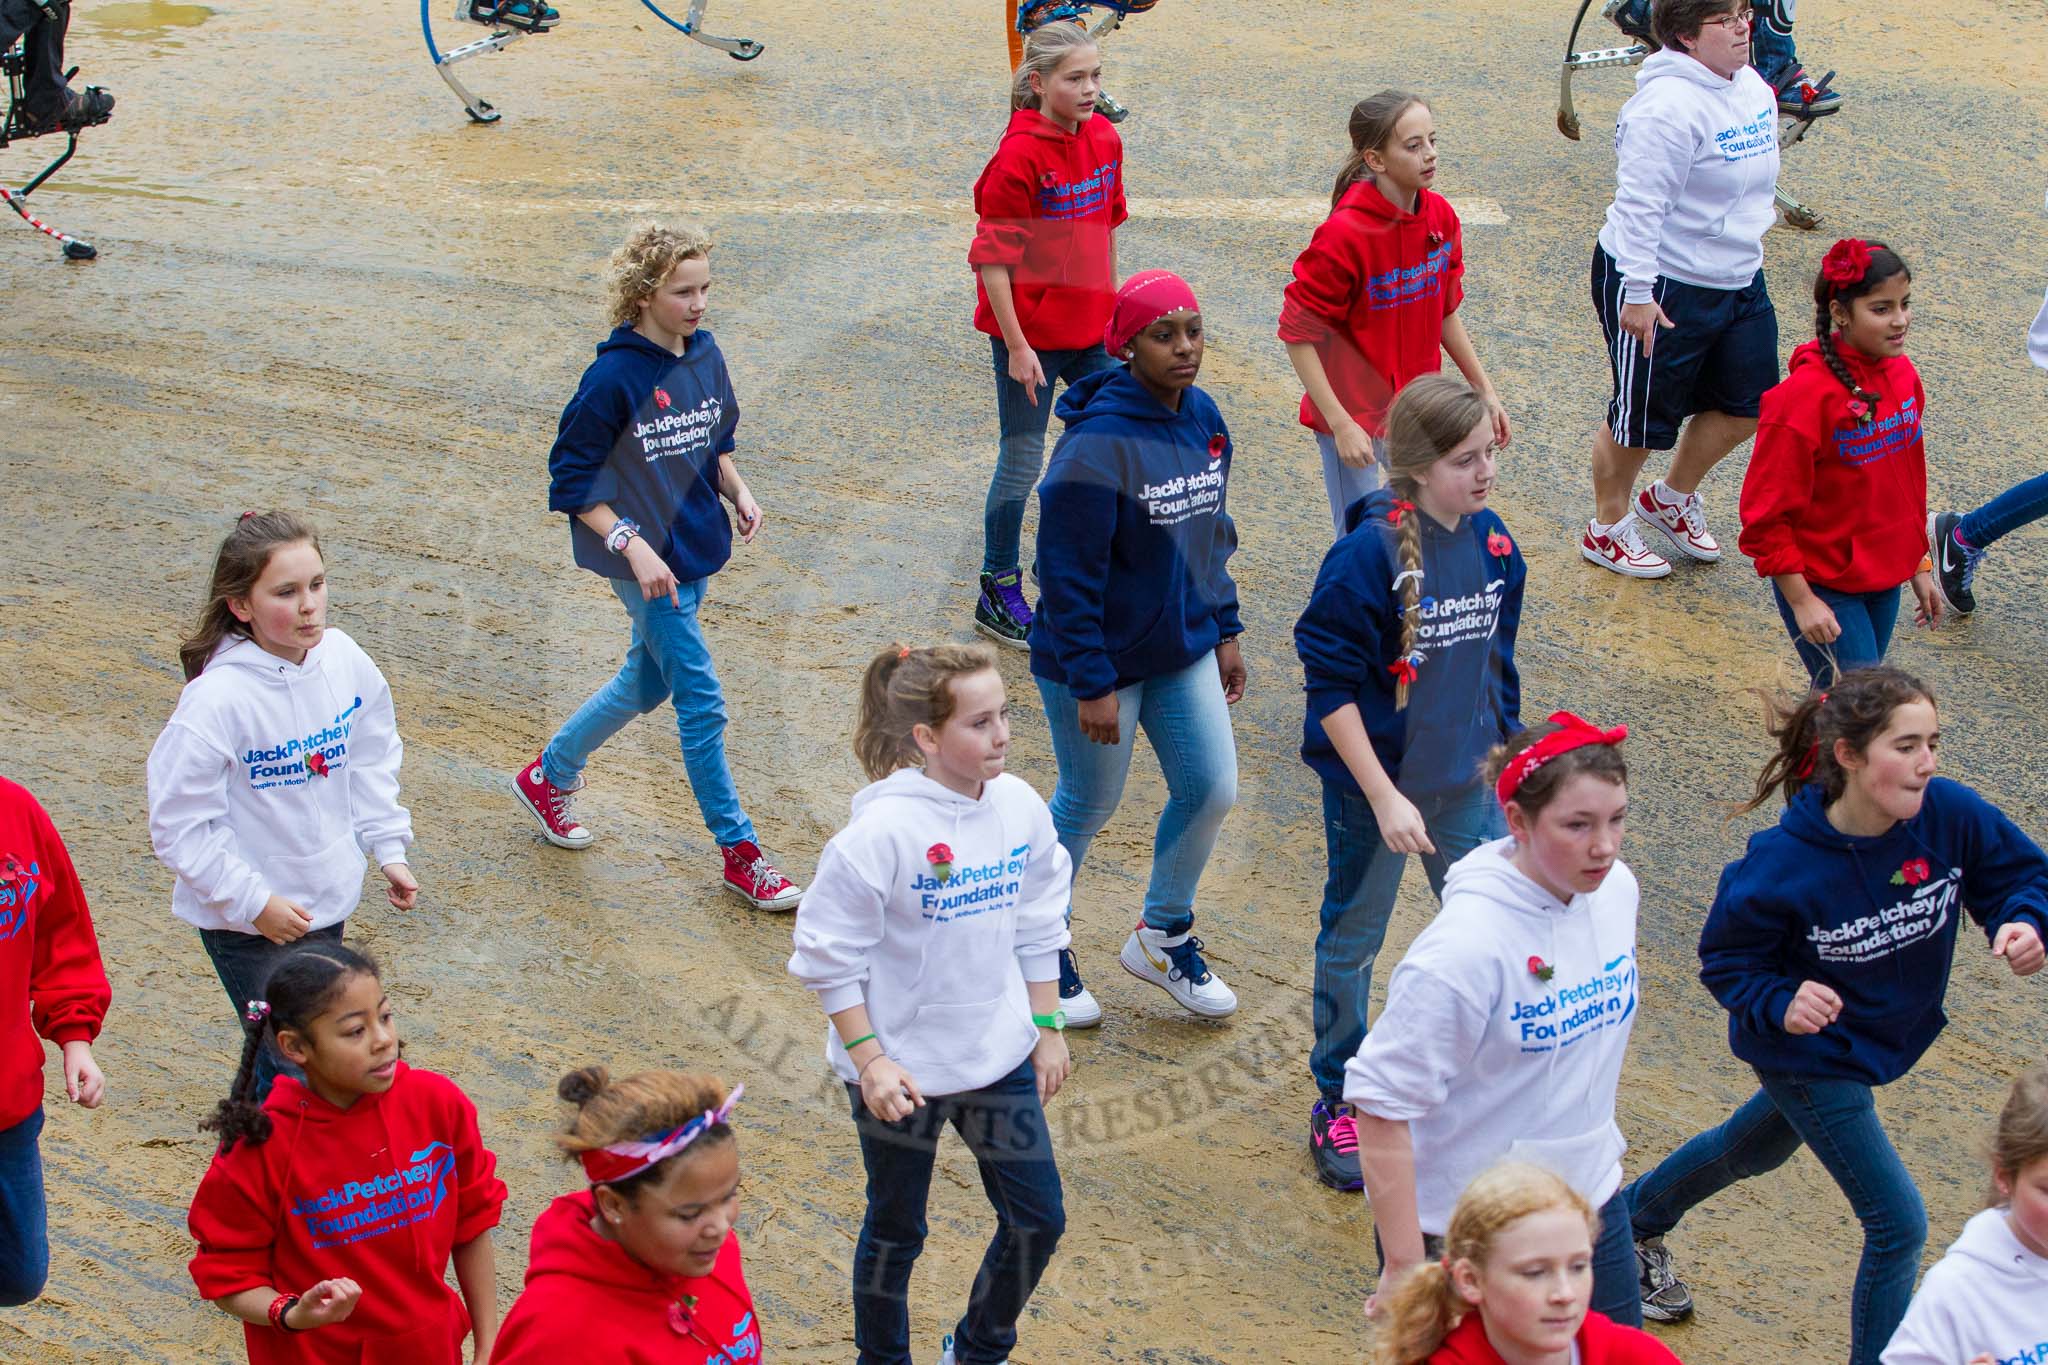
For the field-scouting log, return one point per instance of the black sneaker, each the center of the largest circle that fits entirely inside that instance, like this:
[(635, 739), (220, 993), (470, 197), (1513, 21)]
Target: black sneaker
[(81, 109), (1076, 1002), (523, 14), (1665, 1297), (1955, 564), (1800, 97), (1333, 1141), (1002, 614)]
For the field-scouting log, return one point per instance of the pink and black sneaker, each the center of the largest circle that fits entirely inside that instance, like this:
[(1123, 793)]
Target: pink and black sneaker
[(750, 876), (549, 804), (1333, 1141)]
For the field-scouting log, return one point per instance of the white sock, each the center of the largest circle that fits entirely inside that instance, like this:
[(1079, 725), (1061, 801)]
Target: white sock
[(1599, 528)]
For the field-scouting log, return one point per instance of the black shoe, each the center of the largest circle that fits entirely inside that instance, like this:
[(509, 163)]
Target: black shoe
[(1002, 614), (85, 108), (1631, 17), (1333, 1140), (1955, 564), (1665, 1297), (521, 14), (1800, 97)]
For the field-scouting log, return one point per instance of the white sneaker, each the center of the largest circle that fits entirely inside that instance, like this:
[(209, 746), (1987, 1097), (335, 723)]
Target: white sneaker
[(1681, 517), (946, 1350), (1173, 962), (1623, 551), (1082, 1009)]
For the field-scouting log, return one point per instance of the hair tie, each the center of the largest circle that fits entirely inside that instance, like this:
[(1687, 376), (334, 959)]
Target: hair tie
[(1806, 764), (1404, 669), (257, 1012), (245, 516), (903, 651), (624, 1160), (1401, 505), (1847, 262), (1573, 734), (1404, 576)]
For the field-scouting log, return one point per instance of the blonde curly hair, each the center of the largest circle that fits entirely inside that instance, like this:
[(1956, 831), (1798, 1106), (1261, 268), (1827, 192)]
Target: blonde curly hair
[(639, 266)]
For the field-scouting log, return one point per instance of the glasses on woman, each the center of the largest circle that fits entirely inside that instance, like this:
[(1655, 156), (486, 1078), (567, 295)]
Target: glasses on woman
[(1741, 21)]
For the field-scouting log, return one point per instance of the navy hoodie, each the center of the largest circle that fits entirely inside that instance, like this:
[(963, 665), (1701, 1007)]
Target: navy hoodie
[(1467, 695), (1874, 919), (643, 434), (1132, 538)]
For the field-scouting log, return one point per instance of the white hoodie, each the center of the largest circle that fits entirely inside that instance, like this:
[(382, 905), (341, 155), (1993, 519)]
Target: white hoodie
[(937, 961), (1483, 1058), (274, 778), (1987, 1296), (1695, 177)]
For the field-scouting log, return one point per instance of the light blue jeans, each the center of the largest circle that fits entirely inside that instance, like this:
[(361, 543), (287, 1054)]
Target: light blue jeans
[(1346, 485), (1188, 723), (667, 661)]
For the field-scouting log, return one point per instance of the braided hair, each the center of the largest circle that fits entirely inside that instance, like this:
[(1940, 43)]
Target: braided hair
[(300, 988), (1427, 421), (1884, 263)]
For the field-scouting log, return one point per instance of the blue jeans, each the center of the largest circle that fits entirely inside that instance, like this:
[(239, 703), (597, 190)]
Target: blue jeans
[(1866, 619), (1346, 485), (1838, 1120), (1770, 42), (24, 1222), (243, 962), (1188, 723), (1020, 458), (1358, 900), (1004, 1126), (666, 661), (2006, 513)]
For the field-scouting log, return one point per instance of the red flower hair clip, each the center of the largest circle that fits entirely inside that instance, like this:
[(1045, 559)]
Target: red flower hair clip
[(1847, 261)]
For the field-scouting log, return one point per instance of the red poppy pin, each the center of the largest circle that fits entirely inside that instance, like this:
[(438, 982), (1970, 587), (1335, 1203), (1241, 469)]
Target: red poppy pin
[(1498, 544), (1912, 872), (316, 763), (1858, 410), (1049, 179), (662, 400), (680, 1320), (1540, 969), (941, 859), (10, 870), (1216, 444)]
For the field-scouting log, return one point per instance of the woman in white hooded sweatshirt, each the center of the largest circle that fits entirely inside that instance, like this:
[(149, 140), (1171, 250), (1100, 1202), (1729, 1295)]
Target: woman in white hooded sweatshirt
[(279, 769), (931, 937), (1506, 1023)]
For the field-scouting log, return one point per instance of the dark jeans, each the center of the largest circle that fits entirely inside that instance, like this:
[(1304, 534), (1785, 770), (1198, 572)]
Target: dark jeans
[(1866, 619), (1358, 900), (24, 1224), (243, 963), (2006, 513), (1004, 1126), (1617, 1287), (1020, 458), (43, 74), (1838, 1120)]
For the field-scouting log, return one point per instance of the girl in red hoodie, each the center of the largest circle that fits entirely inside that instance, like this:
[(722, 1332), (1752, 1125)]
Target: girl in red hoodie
[(50, 969), (1374, 298), (329, 1216), (1049, 203), (1834, 506), (1512, 1284), (642, 1267)]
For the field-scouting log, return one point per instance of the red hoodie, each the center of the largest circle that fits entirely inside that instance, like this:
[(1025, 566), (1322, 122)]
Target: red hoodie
[(1600, 1342), (1048, 201), (381, 1192), (587, 1299), (1840, 501), (51, 980), (1371, 293)]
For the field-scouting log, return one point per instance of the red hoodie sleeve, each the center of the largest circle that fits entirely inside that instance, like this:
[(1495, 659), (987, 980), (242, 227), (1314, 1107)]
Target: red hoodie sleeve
[(1005, 201), (1119, 210), (68, 991), (234, 1220), (1318, 300), (1777, 491), (480, 1195), (1454, 266)]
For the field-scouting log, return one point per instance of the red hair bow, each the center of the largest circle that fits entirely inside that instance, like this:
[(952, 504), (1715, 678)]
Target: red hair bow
[(1401, 508), (1573, 734), (1404, 670), (1847, 261)]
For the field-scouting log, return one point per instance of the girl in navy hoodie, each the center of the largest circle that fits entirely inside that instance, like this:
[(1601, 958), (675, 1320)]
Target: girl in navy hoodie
[(1049, 202), (1834, 506), (1408, 643), (643, 457), (1374, 298), (1138, 623), (1829, 944)]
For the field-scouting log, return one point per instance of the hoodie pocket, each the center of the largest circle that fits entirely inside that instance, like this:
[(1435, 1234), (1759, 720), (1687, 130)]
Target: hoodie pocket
[(962, 1038), (1584, 1161), (329, 884)]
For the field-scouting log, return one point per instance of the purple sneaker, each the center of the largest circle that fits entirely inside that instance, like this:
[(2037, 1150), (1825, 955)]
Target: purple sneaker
[(1002, 614), (1333, 1139)]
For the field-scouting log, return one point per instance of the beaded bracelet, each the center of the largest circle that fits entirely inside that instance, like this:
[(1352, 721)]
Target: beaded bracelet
[(279, 1306)]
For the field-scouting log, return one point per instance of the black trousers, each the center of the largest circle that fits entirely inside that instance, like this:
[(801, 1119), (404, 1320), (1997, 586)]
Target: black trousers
[(42, 33)]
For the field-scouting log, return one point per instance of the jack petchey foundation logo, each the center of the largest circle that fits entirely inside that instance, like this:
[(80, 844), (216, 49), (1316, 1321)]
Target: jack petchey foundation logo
[(1574, 1010), (293, 762), (1897, 926), (375, 1205)]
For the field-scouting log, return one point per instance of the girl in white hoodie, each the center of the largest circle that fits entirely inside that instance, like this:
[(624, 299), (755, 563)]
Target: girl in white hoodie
[(932, 937), (279, 768), (1987, 1299), (1506, 1024)]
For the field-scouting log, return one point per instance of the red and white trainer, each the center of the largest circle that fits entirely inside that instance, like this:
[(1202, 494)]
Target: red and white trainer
[(549, 804), (750, 876), (1623, 551), (1681, 517)]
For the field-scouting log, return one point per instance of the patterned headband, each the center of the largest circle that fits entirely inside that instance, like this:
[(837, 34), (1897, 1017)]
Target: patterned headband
[(624, 1160)]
